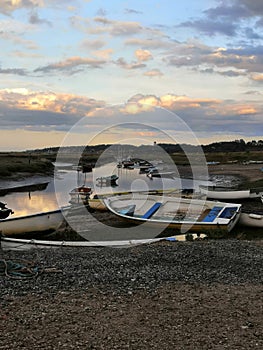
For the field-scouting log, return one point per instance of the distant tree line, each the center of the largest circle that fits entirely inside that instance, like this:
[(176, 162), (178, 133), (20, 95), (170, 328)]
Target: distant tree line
[(224, 146)]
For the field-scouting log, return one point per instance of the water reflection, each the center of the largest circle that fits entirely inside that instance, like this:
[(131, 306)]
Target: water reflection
[(29, 202)]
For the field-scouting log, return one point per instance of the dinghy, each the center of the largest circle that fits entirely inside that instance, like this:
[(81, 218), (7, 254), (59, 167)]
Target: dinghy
[(34, 223), (185, 214), (223, 193)]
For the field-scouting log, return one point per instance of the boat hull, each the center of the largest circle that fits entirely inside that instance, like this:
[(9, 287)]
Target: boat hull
[(230, 194), (251, 220), (8, 243), (35, 223)]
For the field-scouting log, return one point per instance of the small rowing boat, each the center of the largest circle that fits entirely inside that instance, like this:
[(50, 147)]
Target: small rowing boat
[(223, 193), (42, 222), (185, 214)]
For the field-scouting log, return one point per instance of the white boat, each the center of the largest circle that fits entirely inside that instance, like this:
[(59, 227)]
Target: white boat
[(251, 219), (230, 194), (8, 243), (158, 173), (34, 223), (194, 215)]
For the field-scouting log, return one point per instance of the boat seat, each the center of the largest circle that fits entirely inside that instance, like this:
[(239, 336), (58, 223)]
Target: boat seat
[(210, 217), (227, 213), (129, 210), (151, 211)]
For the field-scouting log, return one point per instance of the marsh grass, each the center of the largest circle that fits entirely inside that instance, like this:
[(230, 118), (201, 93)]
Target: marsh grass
[(13, 164)]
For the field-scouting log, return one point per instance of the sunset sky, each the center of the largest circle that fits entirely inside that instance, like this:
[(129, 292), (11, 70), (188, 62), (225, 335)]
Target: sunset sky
[(111, 62)]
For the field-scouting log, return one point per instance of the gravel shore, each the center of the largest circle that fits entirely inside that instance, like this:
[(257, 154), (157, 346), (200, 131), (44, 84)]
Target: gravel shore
[(167, 295)]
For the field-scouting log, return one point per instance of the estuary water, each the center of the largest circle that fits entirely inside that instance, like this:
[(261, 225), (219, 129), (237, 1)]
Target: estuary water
[(56, 192)]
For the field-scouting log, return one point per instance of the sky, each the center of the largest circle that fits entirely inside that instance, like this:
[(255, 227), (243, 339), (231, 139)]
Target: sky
[(72, 71)]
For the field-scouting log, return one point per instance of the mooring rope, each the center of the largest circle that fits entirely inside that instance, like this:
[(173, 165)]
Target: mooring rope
[(19, 269)]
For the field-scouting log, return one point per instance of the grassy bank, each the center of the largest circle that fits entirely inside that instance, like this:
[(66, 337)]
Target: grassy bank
[(13, 164)]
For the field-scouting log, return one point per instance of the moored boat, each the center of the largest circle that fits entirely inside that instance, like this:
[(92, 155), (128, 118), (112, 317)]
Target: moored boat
[(34, 223), (79, 194), (223, 193), (194, 215), (107, 180)]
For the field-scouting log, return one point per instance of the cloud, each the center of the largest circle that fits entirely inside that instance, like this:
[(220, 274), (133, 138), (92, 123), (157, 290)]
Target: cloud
[(228, 18), (148, 43), (252, 92), (211, 27), (232, 10), (71, 65), (227, 73), (251, 34), (172, 102), (143, 55), (117, 28), (103, 54), (254, 8), (257, 77), (92, 44), (44, 111), (248, 59), (202, 115), (25, 108), (153, 73), (134, 65), (35, 19), (13, 31), (132, 11), (8, 6), (15, 71)]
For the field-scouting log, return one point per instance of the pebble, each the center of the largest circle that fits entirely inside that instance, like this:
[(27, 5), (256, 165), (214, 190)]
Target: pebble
[(125, 270)]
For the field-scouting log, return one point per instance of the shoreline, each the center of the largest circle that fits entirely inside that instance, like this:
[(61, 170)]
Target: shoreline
[(173, 295)]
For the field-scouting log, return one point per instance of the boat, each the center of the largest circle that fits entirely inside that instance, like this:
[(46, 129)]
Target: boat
[(194, 215), (107, 180), (157, 173), (9, 243), (251, 219), (128, 164), (24, 188), (223, 193), (79, 194), (42, 222)]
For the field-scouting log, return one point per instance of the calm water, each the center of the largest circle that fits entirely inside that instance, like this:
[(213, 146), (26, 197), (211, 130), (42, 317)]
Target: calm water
[(57, 191)]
